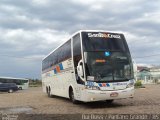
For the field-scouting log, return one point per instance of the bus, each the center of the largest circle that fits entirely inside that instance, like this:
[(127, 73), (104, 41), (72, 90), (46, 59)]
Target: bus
[(92, 65), (21, 83)]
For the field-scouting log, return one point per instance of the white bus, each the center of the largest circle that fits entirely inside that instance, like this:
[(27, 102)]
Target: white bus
[(20, 82), (90, 66)]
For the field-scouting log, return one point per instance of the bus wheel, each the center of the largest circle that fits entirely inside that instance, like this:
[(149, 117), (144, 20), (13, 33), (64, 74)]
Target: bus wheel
[(49, 92), (109, 101), (10, 90), (72, 98), (20, 88)]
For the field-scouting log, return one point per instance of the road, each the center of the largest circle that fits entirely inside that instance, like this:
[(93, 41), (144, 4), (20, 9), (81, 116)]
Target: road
[(34, 101)]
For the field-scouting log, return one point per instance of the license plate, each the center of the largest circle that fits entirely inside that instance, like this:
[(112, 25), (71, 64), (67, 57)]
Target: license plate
[(114, 94)]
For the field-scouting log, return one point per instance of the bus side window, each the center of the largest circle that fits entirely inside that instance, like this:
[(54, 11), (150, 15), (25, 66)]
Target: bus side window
[(77, 56), (76, 50)]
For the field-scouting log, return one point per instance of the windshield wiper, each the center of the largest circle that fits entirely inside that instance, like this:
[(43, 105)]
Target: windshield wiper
[(98, 77)]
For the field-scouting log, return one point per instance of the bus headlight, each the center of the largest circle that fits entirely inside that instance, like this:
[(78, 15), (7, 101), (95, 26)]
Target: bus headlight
[(131, 84), (92, 87)]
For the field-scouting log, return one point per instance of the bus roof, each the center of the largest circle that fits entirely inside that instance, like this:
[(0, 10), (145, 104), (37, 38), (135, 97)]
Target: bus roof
[(13, 78), (80, 32)]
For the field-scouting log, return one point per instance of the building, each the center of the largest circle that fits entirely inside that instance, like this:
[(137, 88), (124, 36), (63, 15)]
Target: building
[(148, 75)]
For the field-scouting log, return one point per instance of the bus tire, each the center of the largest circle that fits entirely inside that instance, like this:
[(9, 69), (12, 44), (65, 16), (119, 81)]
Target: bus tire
[(10, 91), (72, 97), (109, 101), (49, 92), (20, 88)]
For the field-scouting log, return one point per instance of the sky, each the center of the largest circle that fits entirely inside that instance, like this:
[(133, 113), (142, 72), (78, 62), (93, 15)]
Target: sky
[(30, 29)]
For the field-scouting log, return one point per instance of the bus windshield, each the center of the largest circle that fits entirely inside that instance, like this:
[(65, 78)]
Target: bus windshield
[(107, 57), (116, 67)]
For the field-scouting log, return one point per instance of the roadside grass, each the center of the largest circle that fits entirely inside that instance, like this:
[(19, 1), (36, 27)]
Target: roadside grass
[(139, 84), (35, 84)]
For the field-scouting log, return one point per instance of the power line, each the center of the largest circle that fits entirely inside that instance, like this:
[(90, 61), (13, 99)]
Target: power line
[(139, 49), (148, 56)]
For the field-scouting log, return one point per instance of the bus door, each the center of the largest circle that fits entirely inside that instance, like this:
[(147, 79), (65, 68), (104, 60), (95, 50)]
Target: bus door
[(78, 63)]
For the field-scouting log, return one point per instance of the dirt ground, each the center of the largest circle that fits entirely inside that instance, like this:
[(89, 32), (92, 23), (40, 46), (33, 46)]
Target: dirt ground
[(34, 101)]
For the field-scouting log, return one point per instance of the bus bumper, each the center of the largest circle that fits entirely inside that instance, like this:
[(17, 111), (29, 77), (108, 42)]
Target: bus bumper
[(98, 95)]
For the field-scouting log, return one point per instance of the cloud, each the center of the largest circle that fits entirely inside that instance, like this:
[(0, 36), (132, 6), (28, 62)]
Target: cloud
[(34, 28), (22, 40)]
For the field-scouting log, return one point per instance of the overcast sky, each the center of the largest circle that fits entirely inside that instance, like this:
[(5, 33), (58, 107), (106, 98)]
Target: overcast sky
[(30, 29)]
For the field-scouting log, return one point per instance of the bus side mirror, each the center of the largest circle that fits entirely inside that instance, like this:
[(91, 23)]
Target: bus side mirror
[(80, 69)]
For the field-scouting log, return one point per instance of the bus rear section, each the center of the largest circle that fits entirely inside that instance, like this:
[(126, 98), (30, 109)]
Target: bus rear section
[(101, 68)]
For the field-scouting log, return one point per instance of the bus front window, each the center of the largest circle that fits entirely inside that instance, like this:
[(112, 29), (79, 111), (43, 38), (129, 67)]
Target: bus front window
[(107, 57), (114, 67)]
